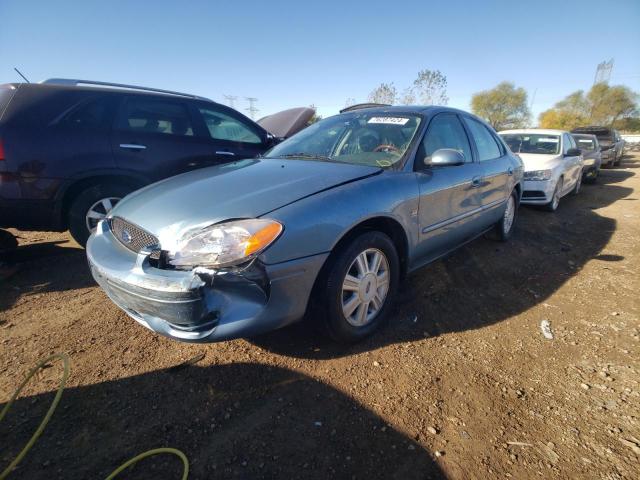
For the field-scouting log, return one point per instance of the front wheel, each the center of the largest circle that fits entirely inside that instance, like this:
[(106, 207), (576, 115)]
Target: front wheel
[(504, 228), (576, 188), (552, 206), (361, 284)]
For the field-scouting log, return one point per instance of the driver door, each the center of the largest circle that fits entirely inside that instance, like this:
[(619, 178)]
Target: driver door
[(449, 203)]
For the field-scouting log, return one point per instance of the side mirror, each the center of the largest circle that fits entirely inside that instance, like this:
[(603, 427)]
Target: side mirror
[(445, 157), (573, 152)]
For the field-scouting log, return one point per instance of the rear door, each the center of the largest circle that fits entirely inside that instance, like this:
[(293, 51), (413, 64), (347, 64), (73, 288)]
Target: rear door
[(157, 137), (449, 195), (229, 134), (496, 169)]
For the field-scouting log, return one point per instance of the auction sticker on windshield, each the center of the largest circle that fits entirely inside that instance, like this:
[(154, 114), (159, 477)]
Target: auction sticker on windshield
[(389, 120)]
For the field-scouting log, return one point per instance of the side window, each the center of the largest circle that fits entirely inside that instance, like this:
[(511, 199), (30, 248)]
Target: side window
[(487, 146), (92, 114), (225, 127), (155, 116), (446, 131)]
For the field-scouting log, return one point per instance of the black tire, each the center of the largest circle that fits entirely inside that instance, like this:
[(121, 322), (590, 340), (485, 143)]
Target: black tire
[(552, 206), (84, 201), (594, 179), (329, 299), (501, 229)]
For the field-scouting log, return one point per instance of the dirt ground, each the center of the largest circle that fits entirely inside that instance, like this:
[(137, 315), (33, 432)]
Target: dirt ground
[(462, 383)]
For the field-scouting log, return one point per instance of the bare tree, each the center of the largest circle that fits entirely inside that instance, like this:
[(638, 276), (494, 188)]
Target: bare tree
[(349, 101), (385, 93), (408, 96), (430, 88)]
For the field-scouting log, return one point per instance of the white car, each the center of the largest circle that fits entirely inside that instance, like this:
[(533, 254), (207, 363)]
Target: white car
[(553, 164)]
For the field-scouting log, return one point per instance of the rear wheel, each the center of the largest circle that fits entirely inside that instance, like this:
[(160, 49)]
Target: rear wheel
[(361, 284), (552, 206), (91, 206), (504, 228)]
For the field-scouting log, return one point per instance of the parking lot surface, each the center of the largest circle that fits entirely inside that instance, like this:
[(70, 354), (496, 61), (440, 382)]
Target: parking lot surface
[(462, 383)]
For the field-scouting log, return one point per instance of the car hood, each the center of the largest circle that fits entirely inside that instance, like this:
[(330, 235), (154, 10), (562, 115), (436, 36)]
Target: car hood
[(537, 161), (287, 122), (244, 189)]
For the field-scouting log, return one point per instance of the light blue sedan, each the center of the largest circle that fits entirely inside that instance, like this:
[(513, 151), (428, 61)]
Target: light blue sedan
[(326, 223)]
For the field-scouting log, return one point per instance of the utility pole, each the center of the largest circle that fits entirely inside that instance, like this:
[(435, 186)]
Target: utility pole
[(252, 109), (603, 72), (231, 100)]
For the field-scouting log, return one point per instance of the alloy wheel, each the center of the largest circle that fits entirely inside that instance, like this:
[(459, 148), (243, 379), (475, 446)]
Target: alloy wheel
[(365, 287), (509, 215), (99, 210)]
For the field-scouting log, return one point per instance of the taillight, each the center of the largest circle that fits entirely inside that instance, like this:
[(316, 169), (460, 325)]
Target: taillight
[(1, 151)]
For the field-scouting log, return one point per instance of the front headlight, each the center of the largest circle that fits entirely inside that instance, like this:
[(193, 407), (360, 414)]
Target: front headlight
[(225, 244), (537, 175)]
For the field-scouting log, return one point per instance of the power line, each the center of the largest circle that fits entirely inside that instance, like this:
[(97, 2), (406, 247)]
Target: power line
[(231, 100), (252, 109)]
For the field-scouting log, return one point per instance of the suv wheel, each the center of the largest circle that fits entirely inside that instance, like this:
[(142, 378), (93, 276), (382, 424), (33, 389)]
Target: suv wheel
[(504, 227), (360, 288), (91, 206)]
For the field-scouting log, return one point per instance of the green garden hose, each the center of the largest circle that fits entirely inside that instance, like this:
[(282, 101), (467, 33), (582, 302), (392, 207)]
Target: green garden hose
[(47, 417), (52, 407), (150, 453)]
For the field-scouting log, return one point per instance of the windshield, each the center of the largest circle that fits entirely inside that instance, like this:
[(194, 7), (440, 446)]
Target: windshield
[(532, 143), (359, 138), (584, 142)]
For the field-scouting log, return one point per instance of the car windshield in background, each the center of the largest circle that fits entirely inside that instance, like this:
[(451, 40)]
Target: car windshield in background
[(359, 138), (532, 143), (585, 143)]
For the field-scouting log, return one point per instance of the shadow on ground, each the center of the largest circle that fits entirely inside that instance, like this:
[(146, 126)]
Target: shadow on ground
[(240, 421), (43, 267), (486, 281)]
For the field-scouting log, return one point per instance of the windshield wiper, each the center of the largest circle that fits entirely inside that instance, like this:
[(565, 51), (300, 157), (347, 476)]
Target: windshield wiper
[(303, 155)]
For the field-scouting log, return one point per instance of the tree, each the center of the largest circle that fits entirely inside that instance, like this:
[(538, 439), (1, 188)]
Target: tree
[(602, 105), (504, 106), (385, 93), (430, 88), (561, 119)]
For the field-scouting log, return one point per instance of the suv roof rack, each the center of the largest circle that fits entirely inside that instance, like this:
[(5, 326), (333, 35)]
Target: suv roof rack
[(75, 82), (358, 106)]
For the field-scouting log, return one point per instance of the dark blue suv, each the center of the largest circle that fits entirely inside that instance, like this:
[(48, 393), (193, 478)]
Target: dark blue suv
[(71, 149)]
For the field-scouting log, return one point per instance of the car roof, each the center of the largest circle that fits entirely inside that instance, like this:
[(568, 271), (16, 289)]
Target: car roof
[(544, 131), (114, 88)]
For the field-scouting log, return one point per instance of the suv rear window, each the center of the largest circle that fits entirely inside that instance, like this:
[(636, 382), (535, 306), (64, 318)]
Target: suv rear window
[(155, 116)]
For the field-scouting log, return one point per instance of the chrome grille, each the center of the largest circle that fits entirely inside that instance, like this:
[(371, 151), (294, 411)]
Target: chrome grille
[(130, 235)]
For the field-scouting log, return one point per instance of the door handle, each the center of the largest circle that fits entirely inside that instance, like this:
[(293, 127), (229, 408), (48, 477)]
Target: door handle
[(224, 152), (133, 146), (475, 182)]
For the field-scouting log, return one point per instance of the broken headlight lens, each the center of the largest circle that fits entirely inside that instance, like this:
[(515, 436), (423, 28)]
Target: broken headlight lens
[(225, 244), (537, 175)]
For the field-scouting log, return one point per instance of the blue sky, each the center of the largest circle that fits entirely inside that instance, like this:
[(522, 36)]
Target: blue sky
[(293, 53)]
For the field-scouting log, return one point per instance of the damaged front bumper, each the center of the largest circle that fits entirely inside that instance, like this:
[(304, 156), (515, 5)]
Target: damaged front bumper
[(201, 305)]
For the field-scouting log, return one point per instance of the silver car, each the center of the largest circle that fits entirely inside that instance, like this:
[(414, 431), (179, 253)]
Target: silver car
[(327, 222)]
